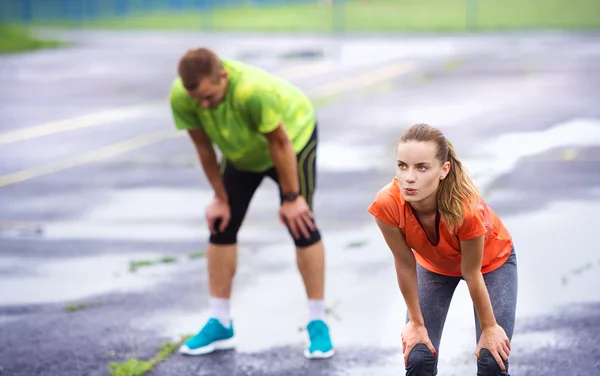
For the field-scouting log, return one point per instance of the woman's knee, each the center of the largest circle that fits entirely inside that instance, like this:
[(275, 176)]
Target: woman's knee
[(487, 365), (421, 362)]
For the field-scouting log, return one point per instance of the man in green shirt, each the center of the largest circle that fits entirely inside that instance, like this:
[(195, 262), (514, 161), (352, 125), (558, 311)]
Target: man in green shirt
[(263, 126)]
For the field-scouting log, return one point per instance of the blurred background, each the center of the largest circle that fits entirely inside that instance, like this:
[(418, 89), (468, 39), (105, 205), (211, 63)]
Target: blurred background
[(102, 232), (304, 15)]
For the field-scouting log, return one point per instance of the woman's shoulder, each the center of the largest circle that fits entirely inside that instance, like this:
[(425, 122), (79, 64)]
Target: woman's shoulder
[(388, 204), (478, 219)]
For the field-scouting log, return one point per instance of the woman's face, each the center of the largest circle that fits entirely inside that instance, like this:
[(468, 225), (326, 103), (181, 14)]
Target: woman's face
[(418, 170)]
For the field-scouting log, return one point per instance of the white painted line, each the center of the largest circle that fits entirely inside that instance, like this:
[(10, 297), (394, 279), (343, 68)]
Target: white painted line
[(327, 90), (83, 158), (133, 112), (79, 122)]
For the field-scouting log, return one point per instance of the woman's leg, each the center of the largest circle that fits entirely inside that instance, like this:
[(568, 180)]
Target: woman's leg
[(502, 286), (435, 295)]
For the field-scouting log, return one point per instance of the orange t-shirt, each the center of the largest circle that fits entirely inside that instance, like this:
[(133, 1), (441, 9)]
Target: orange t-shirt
[(443, 257)]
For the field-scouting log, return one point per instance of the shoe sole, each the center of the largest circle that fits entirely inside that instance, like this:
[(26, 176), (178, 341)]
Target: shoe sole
[(225, 344), (319, 354)]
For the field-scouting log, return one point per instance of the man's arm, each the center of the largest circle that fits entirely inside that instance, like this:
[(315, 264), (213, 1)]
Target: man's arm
[(472, 256), (284, 159), (264, 110), (208, 159), (185, 118), (406, 270)]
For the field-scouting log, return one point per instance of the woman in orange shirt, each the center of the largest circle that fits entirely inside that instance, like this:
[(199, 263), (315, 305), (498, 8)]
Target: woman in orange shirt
[(440, 231)]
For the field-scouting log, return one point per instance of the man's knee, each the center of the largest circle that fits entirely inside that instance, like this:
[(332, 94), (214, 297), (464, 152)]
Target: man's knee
[(227, 237), (487, 365), (421, 362), (302, 242)]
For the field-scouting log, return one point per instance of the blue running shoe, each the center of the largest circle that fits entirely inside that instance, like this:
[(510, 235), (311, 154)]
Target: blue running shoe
[(320, 341), (214, 336)]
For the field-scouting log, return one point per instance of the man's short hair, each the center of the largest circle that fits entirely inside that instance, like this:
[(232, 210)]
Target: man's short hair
[(197, 64)]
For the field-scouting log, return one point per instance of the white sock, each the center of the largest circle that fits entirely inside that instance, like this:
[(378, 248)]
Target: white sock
[(316, 310), (219, 309)]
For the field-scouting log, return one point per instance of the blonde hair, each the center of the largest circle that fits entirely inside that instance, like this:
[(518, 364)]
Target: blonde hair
[(456, 193)]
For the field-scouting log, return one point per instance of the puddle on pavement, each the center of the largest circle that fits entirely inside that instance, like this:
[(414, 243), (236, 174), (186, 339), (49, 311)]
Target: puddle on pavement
[(65, 280), (304, 54), (175, 215), (373, 52), (344, 157), (271, 308), (491, 159), (13, 230)]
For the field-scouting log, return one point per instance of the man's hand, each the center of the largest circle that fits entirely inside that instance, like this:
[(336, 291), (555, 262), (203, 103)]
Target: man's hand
[(218, 209), (496, 341), (297, 216)]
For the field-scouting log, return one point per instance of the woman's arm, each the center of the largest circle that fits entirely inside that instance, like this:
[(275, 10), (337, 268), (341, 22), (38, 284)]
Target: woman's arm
[(472, 256), (493, 336), (406, 270)]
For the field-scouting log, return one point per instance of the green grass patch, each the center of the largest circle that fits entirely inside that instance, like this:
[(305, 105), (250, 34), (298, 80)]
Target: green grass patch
[(15, 38), (138, 264), (80, 306), (168, 260), (137, 367), (372, 15), (357, 244), (75, 307), (197, 255), (135, 265)]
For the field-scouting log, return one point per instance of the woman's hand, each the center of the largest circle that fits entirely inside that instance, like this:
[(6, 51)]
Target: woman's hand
[(496, 341), (412, 335)]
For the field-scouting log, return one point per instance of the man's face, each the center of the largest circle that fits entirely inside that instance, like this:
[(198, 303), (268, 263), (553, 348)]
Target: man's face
[(210, 93)]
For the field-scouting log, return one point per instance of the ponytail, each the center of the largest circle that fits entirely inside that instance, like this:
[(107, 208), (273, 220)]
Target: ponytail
[(456, 193)]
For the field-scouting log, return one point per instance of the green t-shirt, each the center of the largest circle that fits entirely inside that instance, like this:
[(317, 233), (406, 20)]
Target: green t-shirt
[(256, 102)]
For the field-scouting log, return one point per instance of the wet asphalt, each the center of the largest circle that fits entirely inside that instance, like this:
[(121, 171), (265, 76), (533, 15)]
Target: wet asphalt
[(522, 111)]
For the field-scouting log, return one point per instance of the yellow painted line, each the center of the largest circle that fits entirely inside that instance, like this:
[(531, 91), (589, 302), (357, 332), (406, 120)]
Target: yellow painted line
[(306, 70), (83, 158), (324, 91), (570, 154), (366, 79), (137, 111)]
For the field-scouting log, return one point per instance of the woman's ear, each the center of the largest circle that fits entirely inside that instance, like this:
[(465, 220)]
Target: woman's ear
[(445, 170)]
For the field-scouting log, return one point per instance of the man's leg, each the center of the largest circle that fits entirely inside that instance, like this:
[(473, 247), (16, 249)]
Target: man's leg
[(222, 262), (310, 257), (310, 253)]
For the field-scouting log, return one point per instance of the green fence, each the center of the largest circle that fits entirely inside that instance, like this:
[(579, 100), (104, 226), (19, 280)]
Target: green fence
[(308, 15)]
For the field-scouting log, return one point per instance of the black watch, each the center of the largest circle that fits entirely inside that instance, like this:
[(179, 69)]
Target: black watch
[(290, 196)]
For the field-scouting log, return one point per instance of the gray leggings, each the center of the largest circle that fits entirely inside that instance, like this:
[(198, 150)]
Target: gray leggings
[(435, 294)]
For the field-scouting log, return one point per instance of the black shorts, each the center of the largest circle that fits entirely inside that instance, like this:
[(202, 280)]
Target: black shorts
[(241, 185)]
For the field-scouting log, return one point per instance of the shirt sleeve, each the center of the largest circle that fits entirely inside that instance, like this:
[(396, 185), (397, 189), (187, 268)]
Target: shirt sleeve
[(264, 109), (183, 112), (385, 207), (475, 223)]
